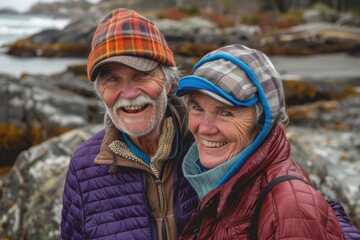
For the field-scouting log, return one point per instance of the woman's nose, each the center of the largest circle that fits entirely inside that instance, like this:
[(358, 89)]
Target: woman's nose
[(207, 126)]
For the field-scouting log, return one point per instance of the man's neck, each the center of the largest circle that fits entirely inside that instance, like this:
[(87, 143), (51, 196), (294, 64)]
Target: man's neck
[(148, 143)]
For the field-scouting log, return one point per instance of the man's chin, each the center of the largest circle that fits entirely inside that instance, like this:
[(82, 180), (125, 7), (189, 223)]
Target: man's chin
[(137, 131), (136, 134)]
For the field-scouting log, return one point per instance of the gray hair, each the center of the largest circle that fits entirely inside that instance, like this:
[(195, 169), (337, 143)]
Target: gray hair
[(282, 118)]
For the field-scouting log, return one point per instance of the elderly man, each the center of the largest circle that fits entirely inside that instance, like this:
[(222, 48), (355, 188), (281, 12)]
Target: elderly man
[(126, 181)]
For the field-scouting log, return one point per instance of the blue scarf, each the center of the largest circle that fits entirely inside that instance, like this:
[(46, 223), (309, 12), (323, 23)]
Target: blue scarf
[(204, 180)]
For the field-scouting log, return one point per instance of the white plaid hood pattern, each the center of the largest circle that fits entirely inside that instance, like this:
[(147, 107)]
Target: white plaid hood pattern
[(231, 79), (242, 77)]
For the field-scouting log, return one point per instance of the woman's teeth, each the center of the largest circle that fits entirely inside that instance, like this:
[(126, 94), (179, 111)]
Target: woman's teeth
[(212, 144)]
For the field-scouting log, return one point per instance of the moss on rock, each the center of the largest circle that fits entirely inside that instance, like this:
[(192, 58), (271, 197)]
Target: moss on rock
[(302, 92), (27, 48)]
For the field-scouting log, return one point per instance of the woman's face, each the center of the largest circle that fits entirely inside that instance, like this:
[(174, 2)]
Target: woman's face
[(221, 131)]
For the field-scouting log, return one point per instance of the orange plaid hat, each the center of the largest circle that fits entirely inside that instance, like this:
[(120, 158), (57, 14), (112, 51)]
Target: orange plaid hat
[(126, 37)]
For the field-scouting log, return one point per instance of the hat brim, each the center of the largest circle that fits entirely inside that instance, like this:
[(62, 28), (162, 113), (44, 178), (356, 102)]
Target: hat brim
[(216, 97), (137, 63), (192, 83)]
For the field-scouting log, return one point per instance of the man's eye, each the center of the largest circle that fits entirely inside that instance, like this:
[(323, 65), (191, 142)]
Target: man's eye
[(111, 79), (143, 76), (108, 80), (197, 108)]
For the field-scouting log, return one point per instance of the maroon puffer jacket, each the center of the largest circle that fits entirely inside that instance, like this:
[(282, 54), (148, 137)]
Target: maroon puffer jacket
[(292, 210)]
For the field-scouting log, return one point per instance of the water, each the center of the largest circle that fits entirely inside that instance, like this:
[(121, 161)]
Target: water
[(16, 26), (17, 66), (339, 67)]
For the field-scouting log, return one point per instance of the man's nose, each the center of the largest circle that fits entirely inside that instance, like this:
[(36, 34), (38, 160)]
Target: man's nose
[(129, 89)]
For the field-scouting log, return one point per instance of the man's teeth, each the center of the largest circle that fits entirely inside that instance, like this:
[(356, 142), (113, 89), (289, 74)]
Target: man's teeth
[(212, 144), (134, 108)]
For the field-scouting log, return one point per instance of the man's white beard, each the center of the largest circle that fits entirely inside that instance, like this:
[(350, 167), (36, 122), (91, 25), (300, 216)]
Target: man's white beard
[(156, 117)]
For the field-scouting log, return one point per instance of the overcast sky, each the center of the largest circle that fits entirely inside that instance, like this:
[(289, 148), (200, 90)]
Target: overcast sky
[(23, 5)]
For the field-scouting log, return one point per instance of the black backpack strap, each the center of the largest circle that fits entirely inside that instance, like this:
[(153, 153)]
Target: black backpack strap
[(255, 217)]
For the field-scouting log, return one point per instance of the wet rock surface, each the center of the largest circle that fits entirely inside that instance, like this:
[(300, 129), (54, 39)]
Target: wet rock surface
[(31, 194), (191, 33), (331, 158), (37, 107)]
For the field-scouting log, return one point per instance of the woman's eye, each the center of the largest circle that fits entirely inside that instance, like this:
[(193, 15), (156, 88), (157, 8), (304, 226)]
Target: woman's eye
[(226, 114)]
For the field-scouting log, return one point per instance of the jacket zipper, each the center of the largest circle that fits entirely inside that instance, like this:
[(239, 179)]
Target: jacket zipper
[(158, 186), (162, 207), (161, 195), (162, 202)]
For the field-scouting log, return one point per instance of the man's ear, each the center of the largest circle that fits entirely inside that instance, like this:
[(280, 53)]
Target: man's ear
[(168, 86)]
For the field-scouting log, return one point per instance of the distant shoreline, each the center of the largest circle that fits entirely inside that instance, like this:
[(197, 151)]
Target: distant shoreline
[(338, 67)]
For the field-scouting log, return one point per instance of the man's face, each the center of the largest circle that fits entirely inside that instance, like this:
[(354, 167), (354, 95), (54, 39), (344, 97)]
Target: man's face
[(135, 101)]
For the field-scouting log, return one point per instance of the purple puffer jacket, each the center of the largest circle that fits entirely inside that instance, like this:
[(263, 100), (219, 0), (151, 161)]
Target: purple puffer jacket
[(349, 230), (100, 205)]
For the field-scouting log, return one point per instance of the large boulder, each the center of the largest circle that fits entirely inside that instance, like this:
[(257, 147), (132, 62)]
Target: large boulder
[(63, 100), (31, 194), (331, 158), (312, 38), (36, 107)]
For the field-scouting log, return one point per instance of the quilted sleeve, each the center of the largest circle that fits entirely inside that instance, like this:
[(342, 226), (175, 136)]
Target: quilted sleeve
[(295, 210), (72, 220), (349, 230)]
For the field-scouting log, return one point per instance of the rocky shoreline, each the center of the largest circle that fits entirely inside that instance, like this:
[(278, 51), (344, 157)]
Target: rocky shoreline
[(193, 37)]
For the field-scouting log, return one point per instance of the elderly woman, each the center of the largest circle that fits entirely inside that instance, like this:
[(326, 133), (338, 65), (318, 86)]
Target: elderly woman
[(236, 112)]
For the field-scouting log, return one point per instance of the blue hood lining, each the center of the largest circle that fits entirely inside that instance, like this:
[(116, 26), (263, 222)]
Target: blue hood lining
[(194, 83)]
